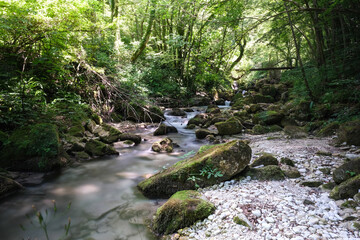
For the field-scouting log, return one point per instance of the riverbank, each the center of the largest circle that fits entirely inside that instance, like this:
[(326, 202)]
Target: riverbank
[(281, 209)]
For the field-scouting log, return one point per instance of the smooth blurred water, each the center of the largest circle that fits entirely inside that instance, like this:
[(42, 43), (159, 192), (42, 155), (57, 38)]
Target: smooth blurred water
[(105, 203)]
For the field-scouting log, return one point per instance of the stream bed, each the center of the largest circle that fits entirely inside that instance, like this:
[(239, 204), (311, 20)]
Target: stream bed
[(105, 203)]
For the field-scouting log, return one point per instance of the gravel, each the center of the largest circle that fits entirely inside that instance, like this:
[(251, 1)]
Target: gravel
[(279, 209)]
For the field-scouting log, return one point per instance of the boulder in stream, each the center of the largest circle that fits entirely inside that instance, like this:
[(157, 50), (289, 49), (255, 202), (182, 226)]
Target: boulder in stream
[(177, 112), (230, 127), (223, 160), (164, 129), (165, 145), (97, 148), (182, 210), (202, 133), (265, 159)]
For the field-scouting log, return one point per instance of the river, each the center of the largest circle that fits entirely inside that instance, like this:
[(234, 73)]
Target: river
[(105, 203)]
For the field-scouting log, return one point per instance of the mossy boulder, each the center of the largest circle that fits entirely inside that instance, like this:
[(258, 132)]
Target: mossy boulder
[(177, 112), (287, 161), (164, 129), (349, 132), (266, 173), (254, 108), (259, 98), (77, 130), (295, 132), (198, 120), (90, 125), (213, 109), (328, 130), (265, 159), (229, 159), (132, 137), (290, 172), (230, 127), (346, 171), (110, 135), (267, 118), (165, 145), (202, 133), (97, 148), (182, 210), (81, 156), (32, 148), (346, 189), (260, 129)]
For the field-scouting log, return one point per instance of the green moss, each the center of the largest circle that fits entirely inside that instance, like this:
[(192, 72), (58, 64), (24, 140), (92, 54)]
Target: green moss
[(77, 130), (230, 127), (182, 210), (267, 117), (205, 148), (266, 173), (349, 204), (39, 142), (328, 130), (97, 148), (346, 189), (239, 221)]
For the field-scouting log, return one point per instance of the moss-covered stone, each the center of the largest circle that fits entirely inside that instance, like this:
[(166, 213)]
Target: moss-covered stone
[(90, 125), (81, 155), (230, 127), (265, 173), (32, 148), (198, 120), (267, 118), (76, 131), (239, 221), (165, 145), (265, 159), (202, 133), (312, 183), (191, 126), (260, 129), (346, 189), (132, 137), (259, 98), (349, 132), (295, 132), (346, 171), (97, 148), (177, 112), (229, 158), (98, 120), (111, 135), (253, 108), (328, 186), (287, 161), (290, 172), (182, 210), (328, 129), (164, 129)]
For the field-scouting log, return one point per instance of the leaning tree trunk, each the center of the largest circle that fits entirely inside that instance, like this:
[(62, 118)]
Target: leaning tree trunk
[(146, 37)]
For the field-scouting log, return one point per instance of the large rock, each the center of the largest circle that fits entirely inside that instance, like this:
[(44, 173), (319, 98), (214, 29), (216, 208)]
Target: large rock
[(202, 133), (228, 159), (177, 112), (266, 173), (164, 129), (165, 145), (110, 135), (198, 120), (295, 132), (230, 127), (129, 136), (346, 171), (97, 148), (265, 159), (349, 132), (268, 118), (328, 130), (346, 189), (182, 210), (32, 148), (260, 129)]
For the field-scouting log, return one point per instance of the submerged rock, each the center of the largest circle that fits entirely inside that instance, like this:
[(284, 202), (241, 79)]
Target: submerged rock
[(182, 210), (226, 159), (164, 129)]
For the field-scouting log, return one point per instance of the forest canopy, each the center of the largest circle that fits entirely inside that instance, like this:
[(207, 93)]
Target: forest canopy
[(98, 52)]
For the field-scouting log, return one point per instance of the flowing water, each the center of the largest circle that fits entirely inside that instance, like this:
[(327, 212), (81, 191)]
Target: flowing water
[(105, 203)]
